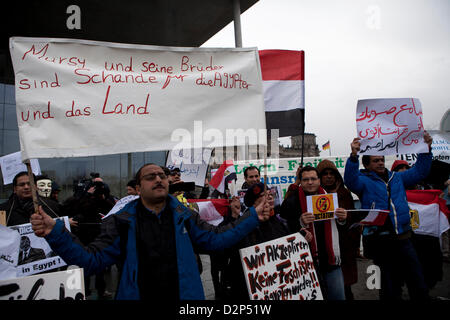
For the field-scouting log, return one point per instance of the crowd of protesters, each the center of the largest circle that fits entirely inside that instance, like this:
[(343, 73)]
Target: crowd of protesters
[(160, 233)]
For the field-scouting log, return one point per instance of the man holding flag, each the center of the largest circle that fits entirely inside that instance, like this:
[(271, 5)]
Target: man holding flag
[(379, 188)]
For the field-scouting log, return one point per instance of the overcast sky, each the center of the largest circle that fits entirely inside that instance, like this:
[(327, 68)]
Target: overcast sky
[(356, 49)]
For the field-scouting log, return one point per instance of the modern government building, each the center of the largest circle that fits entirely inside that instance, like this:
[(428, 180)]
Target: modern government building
[(157, 22)]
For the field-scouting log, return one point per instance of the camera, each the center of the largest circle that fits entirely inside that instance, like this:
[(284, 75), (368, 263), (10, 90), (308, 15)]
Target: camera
[(181, 186)]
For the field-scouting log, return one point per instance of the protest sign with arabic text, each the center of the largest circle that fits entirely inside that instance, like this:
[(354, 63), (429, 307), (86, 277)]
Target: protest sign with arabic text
[(390, 126)]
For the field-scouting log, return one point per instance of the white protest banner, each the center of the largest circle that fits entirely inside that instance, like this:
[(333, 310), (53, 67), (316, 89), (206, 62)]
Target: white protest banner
[(440, 148), (61, 285), (9, 252), (12, 164), (35, 254), (82, 98), (390, 126), (281, 269), (193, 164)]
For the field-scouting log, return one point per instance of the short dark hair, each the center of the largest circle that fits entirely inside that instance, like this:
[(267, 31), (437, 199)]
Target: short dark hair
[(366, 160), (138, 173), (20, 174), (251, 168), (306, 169), (132, 183)]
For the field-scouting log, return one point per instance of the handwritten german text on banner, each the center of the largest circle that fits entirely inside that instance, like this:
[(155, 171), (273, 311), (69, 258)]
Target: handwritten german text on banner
[(82, 98)]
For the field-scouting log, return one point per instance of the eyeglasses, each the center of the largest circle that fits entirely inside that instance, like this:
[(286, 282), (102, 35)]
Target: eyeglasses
[(152, 176), (175, 173), (23, 184), (309, 179)]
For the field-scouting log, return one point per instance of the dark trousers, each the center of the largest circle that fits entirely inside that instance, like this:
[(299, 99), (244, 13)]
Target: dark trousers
[(399, 264)]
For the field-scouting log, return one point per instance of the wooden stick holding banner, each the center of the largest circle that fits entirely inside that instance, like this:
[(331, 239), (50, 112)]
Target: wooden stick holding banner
[(33, 186)]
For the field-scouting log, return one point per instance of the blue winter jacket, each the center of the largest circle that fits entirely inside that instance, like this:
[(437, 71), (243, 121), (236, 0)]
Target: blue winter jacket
[(373, 191), (117, 244)]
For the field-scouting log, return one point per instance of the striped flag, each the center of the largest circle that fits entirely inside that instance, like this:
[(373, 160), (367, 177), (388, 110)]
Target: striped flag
[(210, 210), (224, 175), (284, 90), (432, 211), (326, 146)]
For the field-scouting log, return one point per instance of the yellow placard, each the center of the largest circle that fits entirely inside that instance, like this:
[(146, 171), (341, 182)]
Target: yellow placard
[(323, 203)]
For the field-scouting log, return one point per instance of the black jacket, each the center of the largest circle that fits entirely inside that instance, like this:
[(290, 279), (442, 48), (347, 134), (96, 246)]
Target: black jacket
[(19, 211)]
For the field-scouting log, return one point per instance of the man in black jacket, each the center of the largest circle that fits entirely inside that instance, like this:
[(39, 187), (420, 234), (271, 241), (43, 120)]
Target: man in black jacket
[(19, 206)]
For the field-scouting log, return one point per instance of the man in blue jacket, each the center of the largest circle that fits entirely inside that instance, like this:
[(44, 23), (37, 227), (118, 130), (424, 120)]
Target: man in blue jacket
[(391, 248), (151, 239)]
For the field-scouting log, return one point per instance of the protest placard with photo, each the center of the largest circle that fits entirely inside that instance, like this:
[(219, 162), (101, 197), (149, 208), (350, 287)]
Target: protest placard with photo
[(390, 126), (35, 254), (61, 285), (281, 269)]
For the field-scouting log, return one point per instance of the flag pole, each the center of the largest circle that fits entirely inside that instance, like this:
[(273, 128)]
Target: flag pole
[(329, 147), (303, 139)]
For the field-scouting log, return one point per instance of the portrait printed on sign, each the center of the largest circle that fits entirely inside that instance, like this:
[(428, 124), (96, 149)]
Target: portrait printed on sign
[(390, 126), (322, 205), (35, 254), (281, 269)]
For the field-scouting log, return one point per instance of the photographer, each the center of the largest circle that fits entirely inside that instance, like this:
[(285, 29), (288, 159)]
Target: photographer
[(91, 201)]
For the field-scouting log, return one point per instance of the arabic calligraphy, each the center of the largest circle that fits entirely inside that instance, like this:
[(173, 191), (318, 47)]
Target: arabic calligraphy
[(387, 126)]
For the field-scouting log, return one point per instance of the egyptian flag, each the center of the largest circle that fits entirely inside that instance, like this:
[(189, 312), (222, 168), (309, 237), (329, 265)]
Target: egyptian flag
[(210, 210), (224, 175), (375, 218), (432, 211), (283, 78)]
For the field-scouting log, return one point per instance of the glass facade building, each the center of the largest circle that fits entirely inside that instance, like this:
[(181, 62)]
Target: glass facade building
[(64, 171)]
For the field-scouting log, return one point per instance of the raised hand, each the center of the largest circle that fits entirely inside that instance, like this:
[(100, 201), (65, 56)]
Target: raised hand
[(42, 223)]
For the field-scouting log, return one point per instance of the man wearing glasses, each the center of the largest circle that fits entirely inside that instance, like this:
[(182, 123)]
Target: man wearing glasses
[(152, 238), (19, 206), (325, 236)]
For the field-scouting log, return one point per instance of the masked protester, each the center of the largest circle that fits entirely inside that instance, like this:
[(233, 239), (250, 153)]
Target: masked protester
[(20, 207)]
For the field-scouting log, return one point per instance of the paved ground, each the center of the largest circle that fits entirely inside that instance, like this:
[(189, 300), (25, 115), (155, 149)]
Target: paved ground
[(360, 290)]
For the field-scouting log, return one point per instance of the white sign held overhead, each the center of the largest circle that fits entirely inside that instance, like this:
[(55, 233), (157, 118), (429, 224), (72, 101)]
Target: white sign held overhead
[(12, 164), (390, 126), (82, 98), (193, 164)]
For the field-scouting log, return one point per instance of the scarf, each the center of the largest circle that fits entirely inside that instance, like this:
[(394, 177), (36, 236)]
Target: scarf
[(330, 230)]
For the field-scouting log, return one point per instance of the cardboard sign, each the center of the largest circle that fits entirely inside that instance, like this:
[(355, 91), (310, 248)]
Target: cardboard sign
[(79, 98), (281, 269), (193, 164), (322, 205), (62, 285), (35, 254), (12, 164), (390, 126)]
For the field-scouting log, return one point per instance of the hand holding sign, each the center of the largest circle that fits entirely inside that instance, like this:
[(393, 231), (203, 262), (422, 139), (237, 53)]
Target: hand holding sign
[(307, 218), (341, 214), (355, 145), (42, 223)]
